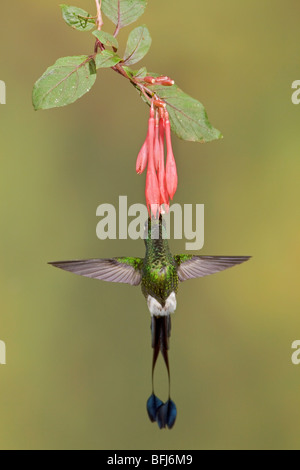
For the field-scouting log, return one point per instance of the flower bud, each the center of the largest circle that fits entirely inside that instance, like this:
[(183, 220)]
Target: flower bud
[(159, 104), (164, 81), (150, 80)]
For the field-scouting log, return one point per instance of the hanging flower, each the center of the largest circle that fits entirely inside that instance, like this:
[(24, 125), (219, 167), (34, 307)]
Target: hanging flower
[(161, 178), (171, 170), (142, 159), (164, 198), (156, 143), (152, 189)]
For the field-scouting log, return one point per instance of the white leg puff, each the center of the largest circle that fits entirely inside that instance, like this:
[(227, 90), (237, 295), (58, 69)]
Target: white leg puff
[(157, 310)]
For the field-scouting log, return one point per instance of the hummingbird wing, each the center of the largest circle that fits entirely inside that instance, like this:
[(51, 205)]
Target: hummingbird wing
[(192, 267), (123, 270)]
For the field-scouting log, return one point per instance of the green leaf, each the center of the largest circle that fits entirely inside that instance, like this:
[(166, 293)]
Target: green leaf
[(77, 18), (141, 73), (129, 71), (123, 12), (64, 82), (106, 39), (187, 115), (138, 45), (106, 59)]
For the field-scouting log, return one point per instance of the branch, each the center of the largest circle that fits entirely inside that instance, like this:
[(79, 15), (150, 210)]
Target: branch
[(99, 20), (148, 94)]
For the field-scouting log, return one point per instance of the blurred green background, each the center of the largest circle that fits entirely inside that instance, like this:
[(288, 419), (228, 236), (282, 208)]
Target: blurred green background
[(78, 351)]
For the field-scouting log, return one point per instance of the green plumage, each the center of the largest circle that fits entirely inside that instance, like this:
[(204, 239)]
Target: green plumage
[(159, 272)]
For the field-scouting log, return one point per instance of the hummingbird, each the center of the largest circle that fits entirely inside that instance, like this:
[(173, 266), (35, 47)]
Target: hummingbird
[(159, 274)]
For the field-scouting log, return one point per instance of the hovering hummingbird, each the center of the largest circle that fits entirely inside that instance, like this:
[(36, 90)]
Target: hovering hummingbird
[(159, 275)]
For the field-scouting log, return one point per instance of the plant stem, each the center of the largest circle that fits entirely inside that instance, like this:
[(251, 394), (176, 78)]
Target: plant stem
[(119, 20), (148, 94), (99, 20)]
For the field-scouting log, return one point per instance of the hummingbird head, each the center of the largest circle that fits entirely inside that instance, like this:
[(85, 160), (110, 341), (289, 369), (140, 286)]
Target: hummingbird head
[(155, 229)]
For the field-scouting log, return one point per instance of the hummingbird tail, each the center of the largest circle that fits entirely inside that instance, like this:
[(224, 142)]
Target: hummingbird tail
[(161, 332), (162, 413)]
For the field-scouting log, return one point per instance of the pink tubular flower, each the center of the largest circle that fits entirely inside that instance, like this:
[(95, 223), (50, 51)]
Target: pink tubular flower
[(164, 197), (152, 189), (152, 192), (161, 178), (171, 170), (156, 144), (142, 158)]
